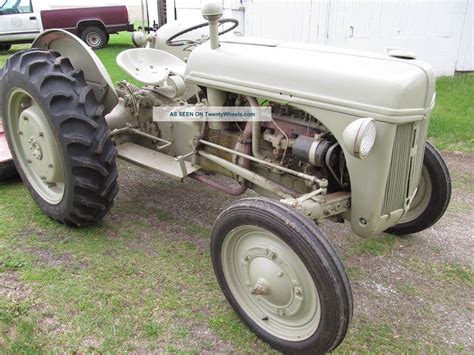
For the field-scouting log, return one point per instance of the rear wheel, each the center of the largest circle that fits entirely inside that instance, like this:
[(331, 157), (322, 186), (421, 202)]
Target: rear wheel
[(432, 197), (58, 137), (282, 276), (95, 37)]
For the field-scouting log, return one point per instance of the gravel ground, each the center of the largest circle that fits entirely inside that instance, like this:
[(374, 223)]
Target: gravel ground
[(411, 294), (407, 286)]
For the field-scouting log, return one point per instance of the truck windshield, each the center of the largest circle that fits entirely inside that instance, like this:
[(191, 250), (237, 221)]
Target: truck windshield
[(16, 7)]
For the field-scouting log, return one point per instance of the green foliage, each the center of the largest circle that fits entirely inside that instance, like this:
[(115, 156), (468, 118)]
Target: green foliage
[(451, 126), (375, 246)]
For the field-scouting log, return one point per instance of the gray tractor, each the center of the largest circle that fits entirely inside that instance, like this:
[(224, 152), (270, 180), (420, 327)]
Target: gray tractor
[(346, 142)]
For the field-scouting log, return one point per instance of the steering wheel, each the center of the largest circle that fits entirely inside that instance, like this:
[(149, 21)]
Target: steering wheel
[(172, 43)]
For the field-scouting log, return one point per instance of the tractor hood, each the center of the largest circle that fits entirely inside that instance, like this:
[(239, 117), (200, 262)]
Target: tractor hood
[(347, 81)]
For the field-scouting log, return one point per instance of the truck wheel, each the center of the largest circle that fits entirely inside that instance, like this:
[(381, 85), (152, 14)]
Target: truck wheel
[(5, 47), (58, 137), (95, 37), (432, 197), (282, 276)]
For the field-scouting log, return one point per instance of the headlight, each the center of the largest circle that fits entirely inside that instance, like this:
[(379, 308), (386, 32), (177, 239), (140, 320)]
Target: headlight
[(359, 137)]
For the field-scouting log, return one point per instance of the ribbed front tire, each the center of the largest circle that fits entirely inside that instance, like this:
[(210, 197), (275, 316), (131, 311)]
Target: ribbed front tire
[(58, 137), (282, 276), (432, 198)]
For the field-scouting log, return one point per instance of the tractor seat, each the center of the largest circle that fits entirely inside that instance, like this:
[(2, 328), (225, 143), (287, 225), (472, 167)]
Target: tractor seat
[(150, 66)]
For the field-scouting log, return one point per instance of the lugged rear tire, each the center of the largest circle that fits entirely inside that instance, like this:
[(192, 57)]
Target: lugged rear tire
[(58, 99)]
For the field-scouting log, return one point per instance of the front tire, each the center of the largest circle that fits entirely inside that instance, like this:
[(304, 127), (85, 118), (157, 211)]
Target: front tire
[(58, 137), (432, 197), (282, 276)]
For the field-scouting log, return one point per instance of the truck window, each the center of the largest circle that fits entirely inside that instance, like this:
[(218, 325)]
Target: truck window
[(16, 7)]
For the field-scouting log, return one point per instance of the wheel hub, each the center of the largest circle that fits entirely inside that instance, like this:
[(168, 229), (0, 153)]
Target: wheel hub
[(270, 283), (39, 144), (36, 147), (93, 38)]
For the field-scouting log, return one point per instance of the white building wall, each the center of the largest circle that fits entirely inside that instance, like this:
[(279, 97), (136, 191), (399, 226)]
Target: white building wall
[(465, 58), (440, 32)]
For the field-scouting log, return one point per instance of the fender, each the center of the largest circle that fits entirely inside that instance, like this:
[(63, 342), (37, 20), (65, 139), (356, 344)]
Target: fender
[(81, 57)]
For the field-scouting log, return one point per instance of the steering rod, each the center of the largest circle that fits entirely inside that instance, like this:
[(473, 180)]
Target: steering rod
[(212, 12)]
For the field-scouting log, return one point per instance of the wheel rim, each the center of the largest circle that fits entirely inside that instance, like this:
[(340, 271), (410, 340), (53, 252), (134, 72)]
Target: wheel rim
[(93, 39), (36, 146), (422, 198), (271, 283)]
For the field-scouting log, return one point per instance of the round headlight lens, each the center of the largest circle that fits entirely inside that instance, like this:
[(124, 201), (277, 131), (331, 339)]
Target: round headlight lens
[(359, 137), (368, 139)]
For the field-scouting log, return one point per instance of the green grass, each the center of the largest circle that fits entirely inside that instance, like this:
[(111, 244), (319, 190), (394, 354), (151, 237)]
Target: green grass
[(375, 246), (452, 124)]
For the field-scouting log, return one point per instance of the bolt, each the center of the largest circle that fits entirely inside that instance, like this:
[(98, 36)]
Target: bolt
[(25, 118), (28, 161), (298, 292), (43, 177), (280, 274), (273, 255), (281, 312), (363, 221), (41, 134), (20, 133), (246, 258), (50, 166)]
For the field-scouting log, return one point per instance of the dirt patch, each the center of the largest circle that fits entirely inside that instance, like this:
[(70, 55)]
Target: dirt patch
[(395, 289), (11, 288), (47, 257)]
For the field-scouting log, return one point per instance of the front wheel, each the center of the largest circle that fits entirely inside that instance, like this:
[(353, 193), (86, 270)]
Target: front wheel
[(432, 197), (282, 276)]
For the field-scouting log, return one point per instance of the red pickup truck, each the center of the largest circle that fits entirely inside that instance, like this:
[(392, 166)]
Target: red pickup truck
[(22, 20)]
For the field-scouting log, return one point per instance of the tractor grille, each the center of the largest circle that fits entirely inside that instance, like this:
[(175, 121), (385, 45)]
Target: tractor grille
[(405, 166)]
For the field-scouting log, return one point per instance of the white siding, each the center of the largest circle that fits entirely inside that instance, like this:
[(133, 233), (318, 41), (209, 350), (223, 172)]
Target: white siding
[(431, 29), (441, 32), (465, 59)]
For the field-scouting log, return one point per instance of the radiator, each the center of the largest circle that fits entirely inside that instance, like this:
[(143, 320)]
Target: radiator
[(405, 166)]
